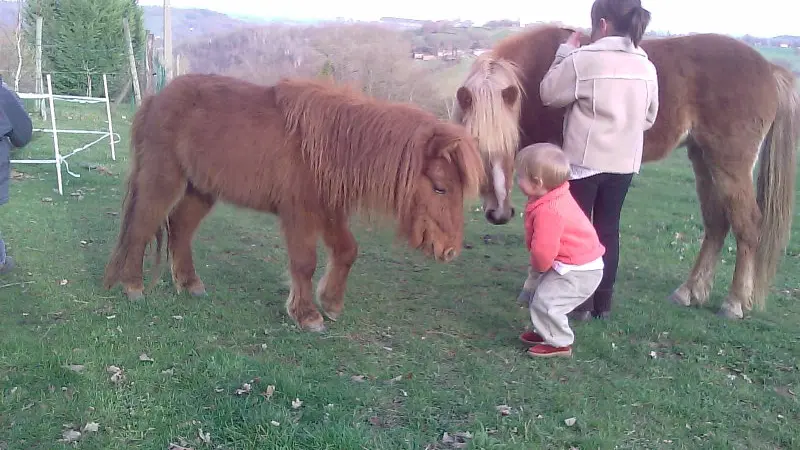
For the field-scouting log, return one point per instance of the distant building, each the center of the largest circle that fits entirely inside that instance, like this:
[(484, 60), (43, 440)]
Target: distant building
[(402, 23)]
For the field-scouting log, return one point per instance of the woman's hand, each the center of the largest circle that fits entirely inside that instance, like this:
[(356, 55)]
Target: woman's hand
[(575, 39)]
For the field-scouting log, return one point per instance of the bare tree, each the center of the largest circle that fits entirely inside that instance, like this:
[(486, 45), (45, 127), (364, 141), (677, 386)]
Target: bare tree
[(19, 45), (371, 58)]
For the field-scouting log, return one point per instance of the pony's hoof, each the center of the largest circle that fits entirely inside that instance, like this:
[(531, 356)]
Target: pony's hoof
[(197, 291), (332, 313), (315, 327), (678, 299), (134, 294), (727, 312)]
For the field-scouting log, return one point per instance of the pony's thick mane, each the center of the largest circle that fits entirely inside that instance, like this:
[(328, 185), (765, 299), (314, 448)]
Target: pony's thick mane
[(364, 153), (496, 126), (524, 54)]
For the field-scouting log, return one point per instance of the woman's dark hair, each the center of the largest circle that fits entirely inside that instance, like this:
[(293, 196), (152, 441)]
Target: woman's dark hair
[(627, 16)]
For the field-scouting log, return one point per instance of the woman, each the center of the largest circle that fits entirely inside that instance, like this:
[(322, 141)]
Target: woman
[(610, 90)]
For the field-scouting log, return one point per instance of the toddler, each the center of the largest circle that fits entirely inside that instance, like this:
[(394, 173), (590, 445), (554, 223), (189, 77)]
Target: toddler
[(563, 245)]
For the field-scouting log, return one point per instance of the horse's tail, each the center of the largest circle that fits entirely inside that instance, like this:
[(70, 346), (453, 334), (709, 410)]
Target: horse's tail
[(119, 255), (776, 183)]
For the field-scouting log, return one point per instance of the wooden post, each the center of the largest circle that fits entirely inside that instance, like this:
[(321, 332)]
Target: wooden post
[(134, 74), (168, 60), (39, 80), (150, 85)]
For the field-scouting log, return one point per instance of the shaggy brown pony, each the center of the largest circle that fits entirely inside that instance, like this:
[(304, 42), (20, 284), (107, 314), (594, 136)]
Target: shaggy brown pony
[(718, 96), (310, 152)]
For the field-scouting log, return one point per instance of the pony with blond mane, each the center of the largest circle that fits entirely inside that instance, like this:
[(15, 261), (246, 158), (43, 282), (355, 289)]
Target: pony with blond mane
[(718, 96), (312, 153)]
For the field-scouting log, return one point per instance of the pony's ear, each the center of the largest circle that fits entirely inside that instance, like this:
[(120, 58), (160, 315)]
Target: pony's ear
[(510, 95), (455, 146), (464, 97)]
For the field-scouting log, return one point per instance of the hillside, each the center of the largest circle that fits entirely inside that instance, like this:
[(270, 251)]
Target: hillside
[(191, 23), (186, 23)]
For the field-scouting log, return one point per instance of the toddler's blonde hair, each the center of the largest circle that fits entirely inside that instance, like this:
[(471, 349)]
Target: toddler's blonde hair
[(544, 161)]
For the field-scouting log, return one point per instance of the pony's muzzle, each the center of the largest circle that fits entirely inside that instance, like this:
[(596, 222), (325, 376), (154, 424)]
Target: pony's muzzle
[(499, 219)]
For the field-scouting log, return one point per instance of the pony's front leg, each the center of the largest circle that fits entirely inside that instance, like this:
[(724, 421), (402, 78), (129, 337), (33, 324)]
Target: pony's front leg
[(342, 253), (301, 244), (529, 288)]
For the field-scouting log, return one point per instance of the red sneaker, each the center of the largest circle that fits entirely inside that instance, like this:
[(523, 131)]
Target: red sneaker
[(547, 351), (531, 338)]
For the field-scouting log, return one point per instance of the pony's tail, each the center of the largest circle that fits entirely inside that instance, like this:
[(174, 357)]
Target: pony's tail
[(776, 183), (119, 255)]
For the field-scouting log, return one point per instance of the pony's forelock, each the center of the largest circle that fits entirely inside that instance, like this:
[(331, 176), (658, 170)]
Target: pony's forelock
[(493, 122)]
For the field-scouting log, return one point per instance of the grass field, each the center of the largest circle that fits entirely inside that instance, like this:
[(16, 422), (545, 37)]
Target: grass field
[(423, 349)]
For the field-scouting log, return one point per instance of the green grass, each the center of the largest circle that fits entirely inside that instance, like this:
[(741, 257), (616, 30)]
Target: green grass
[(788, 55), (449, 331)]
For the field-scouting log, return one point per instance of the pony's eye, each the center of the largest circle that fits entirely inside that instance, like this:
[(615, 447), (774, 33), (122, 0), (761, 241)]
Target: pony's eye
[(439, 191)]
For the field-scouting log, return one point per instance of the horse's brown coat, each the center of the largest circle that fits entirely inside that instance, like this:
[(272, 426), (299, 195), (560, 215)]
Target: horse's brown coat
[(717, 95), (311, 153)]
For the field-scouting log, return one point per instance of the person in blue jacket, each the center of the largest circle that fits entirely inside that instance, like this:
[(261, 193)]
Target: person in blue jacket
[(15, 131)]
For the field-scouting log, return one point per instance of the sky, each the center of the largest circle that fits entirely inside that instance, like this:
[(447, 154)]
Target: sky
[(759, 18)]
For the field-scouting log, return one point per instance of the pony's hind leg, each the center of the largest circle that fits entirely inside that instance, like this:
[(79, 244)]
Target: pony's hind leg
[(342, 253), (697, 288), (301, 244), (183, 222), (145, 212), (745, 217)]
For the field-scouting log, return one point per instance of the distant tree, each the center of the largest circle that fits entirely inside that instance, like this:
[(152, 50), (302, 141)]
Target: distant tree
[(81, 37), (504, 23)]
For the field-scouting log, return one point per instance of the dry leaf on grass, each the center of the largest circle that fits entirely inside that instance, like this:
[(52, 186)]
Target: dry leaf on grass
[(274, 423), (174, 446), (245, 389), (504, 410), (69, 436), (571, 421), (117, 374), (77, 368), (16, 175), (457, 440), (91, 427), (296, 403), (205, 437), (357, 378), (268, 393), (144, 358), (103, 170)]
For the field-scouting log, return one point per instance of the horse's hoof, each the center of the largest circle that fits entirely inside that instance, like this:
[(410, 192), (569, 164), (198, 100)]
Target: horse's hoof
[(677, 299)]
